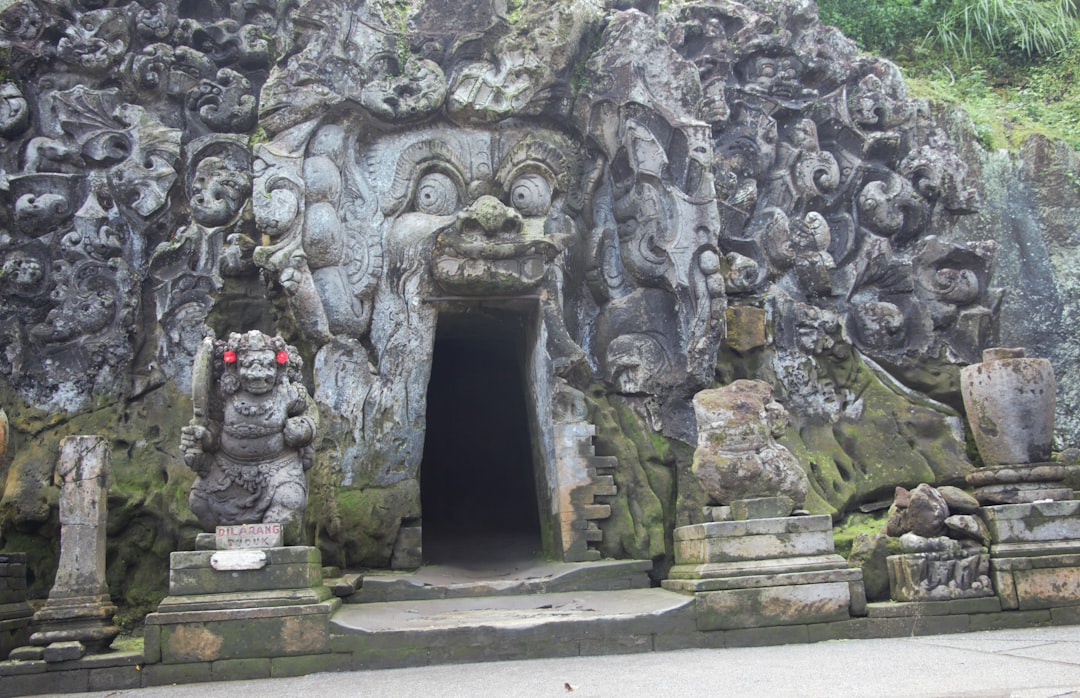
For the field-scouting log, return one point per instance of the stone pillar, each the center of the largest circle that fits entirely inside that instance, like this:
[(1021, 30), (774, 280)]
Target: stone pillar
[(79, 608)]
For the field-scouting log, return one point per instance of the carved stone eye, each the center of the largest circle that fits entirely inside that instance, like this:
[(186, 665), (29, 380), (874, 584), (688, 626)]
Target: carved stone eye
[(531, 195), (436, 194)]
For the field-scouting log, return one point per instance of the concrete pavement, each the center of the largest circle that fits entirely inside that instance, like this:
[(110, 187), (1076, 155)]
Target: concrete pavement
[(1028, 663)]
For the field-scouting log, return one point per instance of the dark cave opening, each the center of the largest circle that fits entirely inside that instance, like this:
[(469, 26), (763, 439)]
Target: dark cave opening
[(477, 483)]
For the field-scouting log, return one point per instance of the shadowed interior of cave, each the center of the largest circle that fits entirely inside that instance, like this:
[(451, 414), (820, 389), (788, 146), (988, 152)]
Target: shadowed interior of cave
[(478, 489)]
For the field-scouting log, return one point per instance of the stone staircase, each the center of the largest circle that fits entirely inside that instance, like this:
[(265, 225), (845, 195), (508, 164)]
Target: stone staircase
[(444, 613)]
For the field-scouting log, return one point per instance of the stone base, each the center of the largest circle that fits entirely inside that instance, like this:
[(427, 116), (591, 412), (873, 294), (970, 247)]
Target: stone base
[(1019, 484), (1035, 553), (939, 576), (765, 572), (240, 604), (87, 620), (240, 633), (15, 611), (1032, 523), (754, 539), (1046, 581)]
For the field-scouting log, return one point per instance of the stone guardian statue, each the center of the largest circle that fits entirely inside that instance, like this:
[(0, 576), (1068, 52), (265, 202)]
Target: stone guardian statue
[(250, 441)]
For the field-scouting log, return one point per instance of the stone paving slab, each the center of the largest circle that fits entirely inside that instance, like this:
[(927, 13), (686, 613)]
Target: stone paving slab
[(525, 577), (510, 611), (1029, 663)]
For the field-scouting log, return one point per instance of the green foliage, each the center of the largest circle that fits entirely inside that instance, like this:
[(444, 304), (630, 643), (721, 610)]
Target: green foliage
[(1011, 64), (1030, 27), (887, 28), (967, 28)]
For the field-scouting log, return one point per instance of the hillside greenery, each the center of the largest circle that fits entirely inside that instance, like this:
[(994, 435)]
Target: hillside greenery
[(1014, 65)]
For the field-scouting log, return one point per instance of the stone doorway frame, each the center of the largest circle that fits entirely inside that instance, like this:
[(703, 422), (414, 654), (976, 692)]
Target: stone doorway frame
[(570, 478)]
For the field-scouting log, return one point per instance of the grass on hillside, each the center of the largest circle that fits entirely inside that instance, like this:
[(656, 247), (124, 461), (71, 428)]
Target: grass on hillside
[(1009, 89)]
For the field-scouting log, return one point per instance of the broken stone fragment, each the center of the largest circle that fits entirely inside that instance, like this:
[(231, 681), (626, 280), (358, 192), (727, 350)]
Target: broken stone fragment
[(968, 527), (914, 543), (927, 512), (958, 501)]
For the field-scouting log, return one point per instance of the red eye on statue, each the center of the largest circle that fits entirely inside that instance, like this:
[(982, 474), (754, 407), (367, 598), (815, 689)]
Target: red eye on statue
[(229, 357), (282, 357)]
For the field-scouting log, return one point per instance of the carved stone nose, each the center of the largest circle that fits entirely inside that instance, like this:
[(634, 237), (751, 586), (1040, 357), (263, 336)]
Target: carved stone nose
[(489, 216)]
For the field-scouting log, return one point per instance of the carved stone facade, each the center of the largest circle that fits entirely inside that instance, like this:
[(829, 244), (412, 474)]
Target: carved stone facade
[(613, 192)]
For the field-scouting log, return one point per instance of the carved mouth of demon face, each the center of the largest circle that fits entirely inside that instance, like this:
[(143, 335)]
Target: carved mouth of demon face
[(490, 248)]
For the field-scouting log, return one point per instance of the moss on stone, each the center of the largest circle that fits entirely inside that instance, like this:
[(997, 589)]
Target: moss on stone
[(148, 516), (643, 510), (846, 530), (367, 523)]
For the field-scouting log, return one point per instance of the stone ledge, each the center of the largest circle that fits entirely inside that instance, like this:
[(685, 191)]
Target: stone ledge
[(687, 586), (901, 620), (754, 527), (187, 603), (892, 609), (169, 618), (801, 563)]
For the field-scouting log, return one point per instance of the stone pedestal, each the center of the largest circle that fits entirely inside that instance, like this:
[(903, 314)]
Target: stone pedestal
[(1035, 553), (79, 608), (15, 612), (765, 572), (241, 604)]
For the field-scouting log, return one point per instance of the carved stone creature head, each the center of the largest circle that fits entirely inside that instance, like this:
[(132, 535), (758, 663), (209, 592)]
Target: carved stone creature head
[(95, 41), (254, 362), (495, 204), (24, 274), (14, 112), (218, 191)]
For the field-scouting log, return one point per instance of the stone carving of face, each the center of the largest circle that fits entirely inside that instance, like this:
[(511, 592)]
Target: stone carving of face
[(218, 192), (635, 363), (14, 112), (496, 205), (257, 370), (880, 325), (775, 76), (95, 41), (79, 315), (23, 274)]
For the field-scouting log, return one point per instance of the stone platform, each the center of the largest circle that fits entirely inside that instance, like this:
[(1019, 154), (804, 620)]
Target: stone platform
[(759, 573), (451, 626), (1035, 553)]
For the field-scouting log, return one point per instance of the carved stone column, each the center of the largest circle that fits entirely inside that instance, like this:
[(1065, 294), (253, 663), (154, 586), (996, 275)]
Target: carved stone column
[(79, 608)]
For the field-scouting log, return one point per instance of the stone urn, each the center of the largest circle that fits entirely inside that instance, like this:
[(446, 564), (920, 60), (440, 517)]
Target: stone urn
[(1010, 400)]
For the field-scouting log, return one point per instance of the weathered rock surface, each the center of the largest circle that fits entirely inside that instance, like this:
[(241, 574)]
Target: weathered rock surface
[(737, 456), (623, 183)]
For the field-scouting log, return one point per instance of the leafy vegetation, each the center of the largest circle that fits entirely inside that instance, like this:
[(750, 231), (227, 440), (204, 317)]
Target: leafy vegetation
[(1012, 64)]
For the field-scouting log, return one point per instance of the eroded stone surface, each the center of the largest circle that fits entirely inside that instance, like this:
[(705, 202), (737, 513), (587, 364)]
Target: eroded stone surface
[(622, 177)]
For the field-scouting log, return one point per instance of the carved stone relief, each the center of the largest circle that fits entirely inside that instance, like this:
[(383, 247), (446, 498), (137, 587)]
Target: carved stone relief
[(633, 181)]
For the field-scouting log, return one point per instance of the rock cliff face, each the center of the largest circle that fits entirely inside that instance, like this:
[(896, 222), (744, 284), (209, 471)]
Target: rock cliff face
[(630, 204), (1031, 200)]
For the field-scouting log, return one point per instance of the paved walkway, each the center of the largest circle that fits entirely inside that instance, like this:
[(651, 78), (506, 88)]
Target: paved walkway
[(1030, 663)]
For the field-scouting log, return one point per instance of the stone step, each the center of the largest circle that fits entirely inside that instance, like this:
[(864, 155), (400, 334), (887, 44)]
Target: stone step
[(403, 633), (433, 582)]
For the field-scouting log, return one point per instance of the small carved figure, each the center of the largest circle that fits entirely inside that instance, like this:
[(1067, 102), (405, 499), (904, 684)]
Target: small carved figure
[(737, 454), (250, 440)]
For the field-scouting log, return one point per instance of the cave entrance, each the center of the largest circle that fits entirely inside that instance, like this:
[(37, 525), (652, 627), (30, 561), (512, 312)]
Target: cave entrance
[(477, 476)]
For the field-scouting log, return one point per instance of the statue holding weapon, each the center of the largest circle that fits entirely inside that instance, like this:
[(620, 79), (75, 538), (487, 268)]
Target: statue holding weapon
[(250, 440)]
